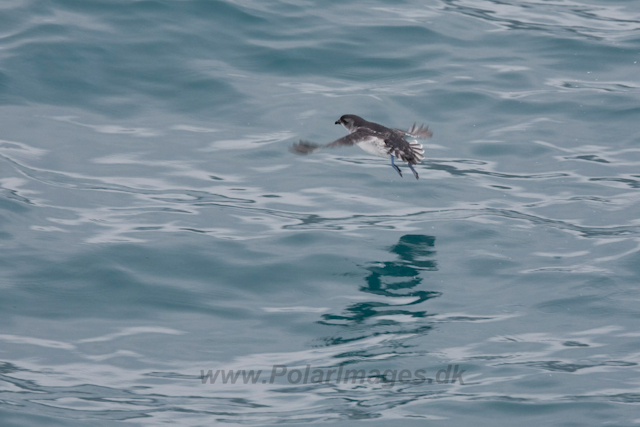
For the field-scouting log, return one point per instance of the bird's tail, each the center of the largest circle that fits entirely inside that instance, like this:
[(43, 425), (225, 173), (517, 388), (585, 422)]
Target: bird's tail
[(421, 132)]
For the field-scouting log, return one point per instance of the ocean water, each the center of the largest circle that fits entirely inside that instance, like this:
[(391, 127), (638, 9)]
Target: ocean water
[(166, 260)]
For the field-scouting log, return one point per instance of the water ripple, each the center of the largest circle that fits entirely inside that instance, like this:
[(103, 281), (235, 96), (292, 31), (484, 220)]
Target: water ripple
[(553, 18)]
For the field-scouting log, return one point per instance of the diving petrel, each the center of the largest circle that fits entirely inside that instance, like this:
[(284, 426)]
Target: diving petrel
[(376, 139)]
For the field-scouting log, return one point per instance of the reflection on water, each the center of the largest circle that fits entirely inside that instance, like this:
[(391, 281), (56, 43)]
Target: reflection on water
[(398, 280)]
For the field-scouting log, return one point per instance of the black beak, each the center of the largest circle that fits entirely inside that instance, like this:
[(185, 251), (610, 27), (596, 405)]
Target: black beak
[(337, 122)]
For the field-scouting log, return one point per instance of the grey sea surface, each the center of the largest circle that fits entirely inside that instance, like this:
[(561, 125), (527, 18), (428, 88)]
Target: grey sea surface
[(160, 244)]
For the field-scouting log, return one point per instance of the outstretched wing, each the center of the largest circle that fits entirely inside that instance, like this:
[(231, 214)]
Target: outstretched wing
[(408, 151), (306, 147), (421, 132)]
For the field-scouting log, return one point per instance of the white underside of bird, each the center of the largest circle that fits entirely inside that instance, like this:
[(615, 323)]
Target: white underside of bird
[(375, 146)]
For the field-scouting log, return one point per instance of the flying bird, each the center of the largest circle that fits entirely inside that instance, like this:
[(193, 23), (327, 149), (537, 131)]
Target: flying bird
[(377, 140)]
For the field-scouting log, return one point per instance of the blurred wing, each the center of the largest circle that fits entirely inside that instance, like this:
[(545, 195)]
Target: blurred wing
[(421, 132), (306, 147)]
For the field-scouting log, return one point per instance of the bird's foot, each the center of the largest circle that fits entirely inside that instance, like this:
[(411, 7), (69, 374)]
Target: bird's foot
[(396, 167), (413, 170)]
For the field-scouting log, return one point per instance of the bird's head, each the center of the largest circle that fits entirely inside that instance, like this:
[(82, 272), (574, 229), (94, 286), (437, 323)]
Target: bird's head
[(350, 122)]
